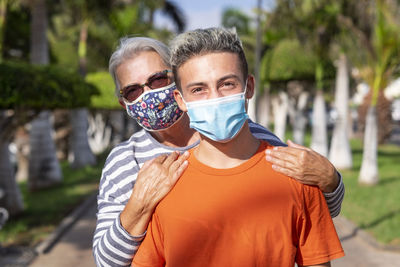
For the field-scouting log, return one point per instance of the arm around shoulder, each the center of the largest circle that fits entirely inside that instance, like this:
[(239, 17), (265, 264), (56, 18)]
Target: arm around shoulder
[(334, 199)]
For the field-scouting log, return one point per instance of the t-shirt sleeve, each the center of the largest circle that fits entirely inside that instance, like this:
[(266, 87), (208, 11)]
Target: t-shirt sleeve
[(318, 240), (151, 251)]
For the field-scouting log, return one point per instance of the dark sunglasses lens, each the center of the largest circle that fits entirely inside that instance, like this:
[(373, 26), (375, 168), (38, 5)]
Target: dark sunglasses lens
[(158, 80), (132, 92)]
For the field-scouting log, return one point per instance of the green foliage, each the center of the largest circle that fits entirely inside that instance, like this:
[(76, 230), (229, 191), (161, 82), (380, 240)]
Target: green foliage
[(234, 18), (42, 87), (106, 99), (288, 61), (123, 19), (16, 33)]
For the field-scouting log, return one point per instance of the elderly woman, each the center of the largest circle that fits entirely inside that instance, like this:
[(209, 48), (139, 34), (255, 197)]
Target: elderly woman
[(139, 172)]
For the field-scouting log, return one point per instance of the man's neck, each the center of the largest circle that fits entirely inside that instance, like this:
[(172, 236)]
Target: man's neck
[(178, 135), (227, 155)]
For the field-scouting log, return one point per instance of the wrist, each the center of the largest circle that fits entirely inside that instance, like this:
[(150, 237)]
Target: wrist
[(333, 183), (135, 219)]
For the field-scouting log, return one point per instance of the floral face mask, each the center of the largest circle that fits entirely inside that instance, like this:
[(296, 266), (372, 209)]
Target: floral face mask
[(155, 110)]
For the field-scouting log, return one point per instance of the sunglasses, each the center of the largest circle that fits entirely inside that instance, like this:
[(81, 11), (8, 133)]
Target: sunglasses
[(133, 91)]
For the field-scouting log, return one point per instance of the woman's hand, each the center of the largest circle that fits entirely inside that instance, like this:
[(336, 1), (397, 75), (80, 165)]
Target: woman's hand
[(304, 165), (155, 179)]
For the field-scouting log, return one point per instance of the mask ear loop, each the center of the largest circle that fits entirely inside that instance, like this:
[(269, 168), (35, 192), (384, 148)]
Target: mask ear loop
[(182, 97), (244, 93)]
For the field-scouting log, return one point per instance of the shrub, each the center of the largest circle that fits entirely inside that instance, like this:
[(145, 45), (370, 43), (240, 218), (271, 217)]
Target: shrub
[(106, 99), (25, 86)]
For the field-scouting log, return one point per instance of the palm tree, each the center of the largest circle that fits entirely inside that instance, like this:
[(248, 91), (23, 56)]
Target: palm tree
[(318, 19), (44, 167), (80, 153), (375, 27), (340, 151), (169, 8), (383, 57)]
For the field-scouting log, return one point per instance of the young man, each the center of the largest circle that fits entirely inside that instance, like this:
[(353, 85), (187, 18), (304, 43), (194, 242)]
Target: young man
[(230, 208), (130, 189)]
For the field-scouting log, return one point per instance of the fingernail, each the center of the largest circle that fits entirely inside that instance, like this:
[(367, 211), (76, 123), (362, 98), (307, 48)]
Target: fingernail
[(186, 153), (275, 148), (269, 158), (268, 151)]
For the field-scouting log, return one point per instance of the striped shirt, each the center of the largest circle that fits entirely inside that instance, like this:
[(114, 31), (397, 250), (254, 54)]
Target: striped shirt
[(112, 244)]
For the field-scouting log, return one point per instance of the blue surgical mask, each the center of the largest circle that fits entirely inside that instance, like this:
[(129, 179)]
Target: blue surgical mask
[(219, 119)]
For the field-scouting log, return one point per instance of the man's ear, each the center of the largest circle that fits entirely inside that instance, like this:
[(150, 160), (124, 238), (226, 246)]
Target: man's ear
[(179, 100), (121, 102), (250, 87)]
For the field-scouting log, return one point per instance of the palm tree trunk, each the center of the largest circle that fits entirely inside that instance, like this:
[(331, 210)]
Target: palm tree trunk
[(299, 120), (3, 13), (263, 107), (81, 154), (12, 200), (39, 45), (44, 168), (340, 152), (319, 139), (117, 123), (280, 106), (252, 108), (369, 165)]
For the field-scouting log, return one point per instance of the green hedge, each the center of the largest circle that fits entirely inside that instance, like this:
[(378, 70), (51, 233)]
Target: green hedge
[(106, 99), (289, 60), (42, 87)]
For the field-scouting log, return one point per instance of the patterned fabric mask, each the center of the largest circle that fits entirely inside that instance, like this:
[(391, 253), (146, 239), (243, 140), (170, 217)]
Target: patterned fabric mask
[(155, 110)]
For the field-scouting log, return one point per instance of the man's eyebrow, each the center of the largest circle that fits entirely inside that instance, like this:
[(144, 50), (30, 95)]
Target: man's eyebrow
[(218, 81), (229, 76), (195, 84)]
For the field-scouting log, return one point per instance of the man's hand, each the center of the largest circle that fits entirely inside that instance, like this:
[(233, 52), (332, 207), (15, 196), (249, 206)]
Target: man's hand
[(304, 165), (155, 179)]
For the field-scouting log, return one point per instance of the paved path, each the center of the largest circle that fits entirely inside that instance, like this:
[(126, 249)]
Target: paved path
[(74, 247), (359, 252)]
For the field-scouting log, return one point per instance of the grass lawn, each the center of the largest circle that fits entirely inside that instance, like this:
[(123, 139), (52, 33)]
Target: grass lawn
[(45, 209), (375, 209)]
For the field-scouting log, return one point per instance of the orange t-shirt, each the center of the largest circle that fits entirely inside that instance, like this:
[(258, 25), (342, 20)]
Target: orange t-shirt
[(249, 215)]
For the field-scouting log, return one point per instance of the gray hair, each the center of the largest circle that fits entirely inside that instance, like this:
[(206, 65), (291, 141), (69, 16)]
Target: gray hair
[(204, 41), (130, 47)]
